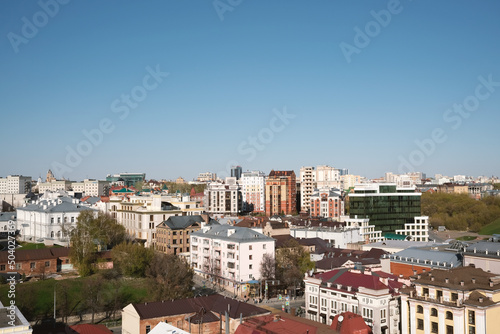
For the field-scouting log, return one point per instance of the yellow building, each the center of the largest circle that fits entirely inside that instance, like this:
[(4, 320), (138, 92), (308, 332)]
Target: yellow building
[(463, 300)]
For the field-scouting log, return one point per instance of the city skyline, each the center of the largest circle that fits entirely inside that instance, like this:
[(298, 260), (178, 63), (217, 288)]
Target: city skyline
[(175, 88)]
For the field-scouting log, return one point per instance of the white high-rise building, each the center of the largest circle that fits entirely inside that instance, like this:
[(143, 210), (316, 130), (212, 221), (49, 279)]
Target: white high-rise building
[(307, 186), (327, 176), (15, 184), (223, 198), (253, 187)]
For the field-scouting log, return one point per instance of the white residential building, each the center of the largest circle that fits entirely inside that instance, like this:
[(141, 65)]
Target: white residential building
[(373, 295), (223, 198), (50, 217), (141, 214), (307, 186), (13, 321), (367, 231), (230, 255), (338, 237), (419, 230), (253, 187), (15, 184), (207, 177), (91, 187), (54, 185), (349, 181), (327, 176)]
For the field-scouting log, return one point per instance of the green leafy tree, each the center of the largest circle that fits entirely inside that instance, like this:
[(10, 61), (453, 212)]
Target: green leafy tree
[(170, 276), (292, 261), (91, 232), (132, 259)]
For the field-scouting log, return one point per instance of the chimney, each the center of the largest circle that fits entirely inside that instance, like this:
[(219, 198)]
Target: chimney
[(432, 278), (473, 280), (447, 280), (462, 283), (480, 299)]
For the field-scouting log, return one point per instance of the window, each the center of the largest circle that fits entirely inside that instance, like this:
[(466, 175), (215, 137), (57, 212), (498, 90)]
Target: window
[(454, 297), (420, 309), (19, 266), (2, 267), (148, 329), (449, 315), (32, 265), (472, 318), (250, 266), (434, 312), (250, 247), (434, 327), (249, 257), (264, 246), (420, 324), (47, 263), (449, 329), (382, 313)]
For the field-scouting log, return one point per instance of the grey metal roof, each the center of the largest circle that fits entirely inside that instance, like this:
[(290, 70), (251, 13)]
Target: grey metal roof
[(182, 222), (430, 257), (232, 233), (6, 216), (483, 246), (61, 204)]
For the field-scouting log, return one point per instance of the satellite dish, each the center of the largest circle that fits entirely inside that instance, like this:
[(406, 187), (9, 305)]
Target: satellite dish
[(341, 318)]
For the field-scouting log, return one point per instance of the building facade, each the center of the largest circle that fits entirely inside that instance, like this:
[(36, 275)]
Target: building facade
[(281, 192), (173, 235), (253, 187), (374, 296), (223, 198), (389, 208), (463, 300), (337, 237), (126, 179), (307, 186), (229, 255), (92, 187), (327, 203), (15, 184), (54, 185), (49, 218)]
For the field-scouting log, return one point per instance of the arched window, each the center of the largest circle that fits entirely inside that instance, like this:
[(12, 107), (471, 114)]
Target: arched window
[(52, 234), (434, 312), (420, 309), (449, 315)]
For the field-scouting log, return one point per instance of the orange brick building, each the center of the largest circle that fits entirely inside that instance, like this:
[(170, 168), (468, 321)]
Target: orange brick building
[(281, 193)]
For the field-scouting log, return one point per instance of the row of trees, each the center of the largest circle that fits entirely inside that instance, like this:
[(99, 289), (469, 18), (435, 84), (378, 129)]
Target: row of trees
[(288, 266), (459, 211)]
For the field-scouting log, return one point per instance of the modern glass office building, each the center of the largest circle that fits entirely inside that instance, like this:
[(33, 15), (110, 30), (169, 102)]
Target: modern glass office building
[(387, 206)]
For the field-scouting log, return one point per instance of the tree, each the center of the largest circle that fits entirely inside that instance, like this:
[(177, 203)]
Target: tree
[(91, 232), (132, 259), (292, 261), (170, 276), (93, 288), (267, 267)]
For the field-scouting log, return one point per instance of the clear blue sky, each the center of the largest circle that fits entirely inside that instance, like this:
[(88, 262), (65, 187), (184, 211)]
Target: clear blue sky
[(227, 78)]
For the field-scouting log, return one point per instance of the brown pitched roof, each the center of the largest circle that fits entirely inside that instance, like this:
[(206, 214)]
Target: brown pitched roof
[(215, 303), (473, 278), (36, 254), (281, 173)]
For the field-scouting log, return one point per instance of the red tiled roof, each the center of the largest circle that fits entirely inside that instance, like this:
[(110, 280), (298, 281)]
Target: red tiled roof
[(350, 324), (287, 324), (90, 329), (355, 280)]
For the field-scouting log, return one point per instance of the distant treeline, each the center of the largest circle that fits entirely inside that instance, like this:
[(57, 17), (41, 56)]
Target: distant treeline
[(459, 211)]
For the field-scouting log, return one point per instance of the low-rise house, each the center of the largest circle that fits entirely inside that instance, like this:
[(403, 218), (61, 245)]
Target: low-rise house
[(37, 262), (208, 314)]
